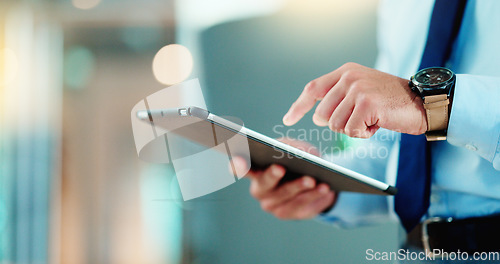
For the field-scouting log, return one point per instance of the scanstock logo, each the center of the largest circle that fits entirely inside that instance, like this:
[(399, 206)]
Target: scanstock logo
[(171, 126)]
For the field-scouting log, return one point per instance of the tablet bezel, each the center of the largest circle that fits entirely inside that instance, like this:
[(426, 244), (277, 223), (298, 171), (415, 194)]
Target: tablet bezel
[(377, 187)]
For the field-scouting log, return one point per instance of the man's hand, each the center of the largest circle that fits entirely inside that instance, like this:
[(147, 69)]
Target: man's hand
[(357, 101), (302, 198)]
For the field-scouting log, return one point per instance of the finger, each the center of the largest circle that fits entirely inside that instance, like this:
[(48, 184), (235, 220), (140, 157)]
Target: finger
[(287, 191), (329, 103), (341, 115), (238, 166), (360, 125), (315, 90), (302, 105), (298, 208), (323, 203), (264, 183)]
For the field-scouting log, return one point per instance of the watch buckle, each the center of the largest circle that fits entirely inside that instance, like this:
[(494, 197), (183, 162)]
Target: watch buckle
[(436, 135)]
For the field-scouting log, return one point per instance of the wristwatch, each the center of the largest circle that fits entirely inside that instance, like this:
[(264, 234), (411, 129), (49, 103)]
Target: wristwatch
[(435, 85)]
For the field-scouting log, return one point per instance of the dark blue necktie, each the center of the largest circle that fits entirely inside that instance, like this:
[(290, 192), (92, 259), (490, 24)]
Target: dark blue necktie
[(413, 182)]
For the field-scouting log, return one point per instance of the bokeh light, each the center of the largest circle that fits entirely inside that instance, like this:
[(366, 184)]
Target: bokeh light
[(172, 64), (85, 4), (9, 66), (79, 66)]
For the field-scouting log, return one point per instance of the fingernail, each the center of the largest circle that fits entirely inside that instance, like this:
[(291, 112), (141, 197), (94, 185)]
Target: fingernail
[(308, 182), (286, 118), (319, 121), (277, 171), (237, 163), (323, 189)]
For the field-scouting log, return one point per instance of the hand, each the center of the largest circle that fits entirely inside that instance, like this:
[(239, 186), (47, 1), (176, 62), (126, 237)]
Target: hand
[(357, 101), (302, 198)]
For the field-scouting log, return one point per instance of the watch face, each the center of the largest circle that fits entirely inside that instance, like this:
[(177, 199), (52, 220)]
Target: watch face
[(433, 76), (432, 81)]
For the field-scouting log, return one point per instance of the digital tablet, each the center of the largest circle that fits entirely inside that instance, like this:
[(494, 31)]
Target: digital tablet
[(196, 124)]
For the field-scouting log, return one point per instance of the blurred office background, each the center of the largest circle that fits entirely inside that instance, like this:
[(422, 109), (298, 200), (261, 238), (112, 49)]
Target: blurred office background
[(72, 189)]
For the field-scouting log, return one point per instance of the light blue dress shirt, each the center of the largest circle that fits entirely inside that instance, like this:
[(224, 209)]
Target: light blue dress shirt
[(466, 167)]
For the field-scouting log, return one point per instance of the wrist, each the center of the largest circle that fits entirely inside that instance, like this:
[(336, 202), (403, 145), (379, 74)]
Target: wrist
[(424, 125)]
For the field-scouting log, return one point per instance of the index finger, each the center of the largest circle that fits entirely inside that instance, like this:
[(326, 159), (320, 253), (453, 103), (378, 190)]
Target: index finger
[(314, 91), (300, 107)]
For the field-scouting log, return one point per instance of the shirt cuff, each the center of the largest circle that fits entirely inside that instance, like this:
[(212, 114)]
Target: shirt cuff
[(475, 116)]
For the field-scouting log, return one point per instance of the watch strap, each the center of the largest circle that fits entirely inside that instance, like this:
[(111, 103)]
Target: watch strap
[(436, 109)]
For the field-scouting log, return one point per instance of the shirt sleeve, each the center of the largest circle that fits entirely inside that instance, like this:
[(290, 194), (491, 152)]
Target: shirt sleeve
[(369, 157), (475, 116)]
